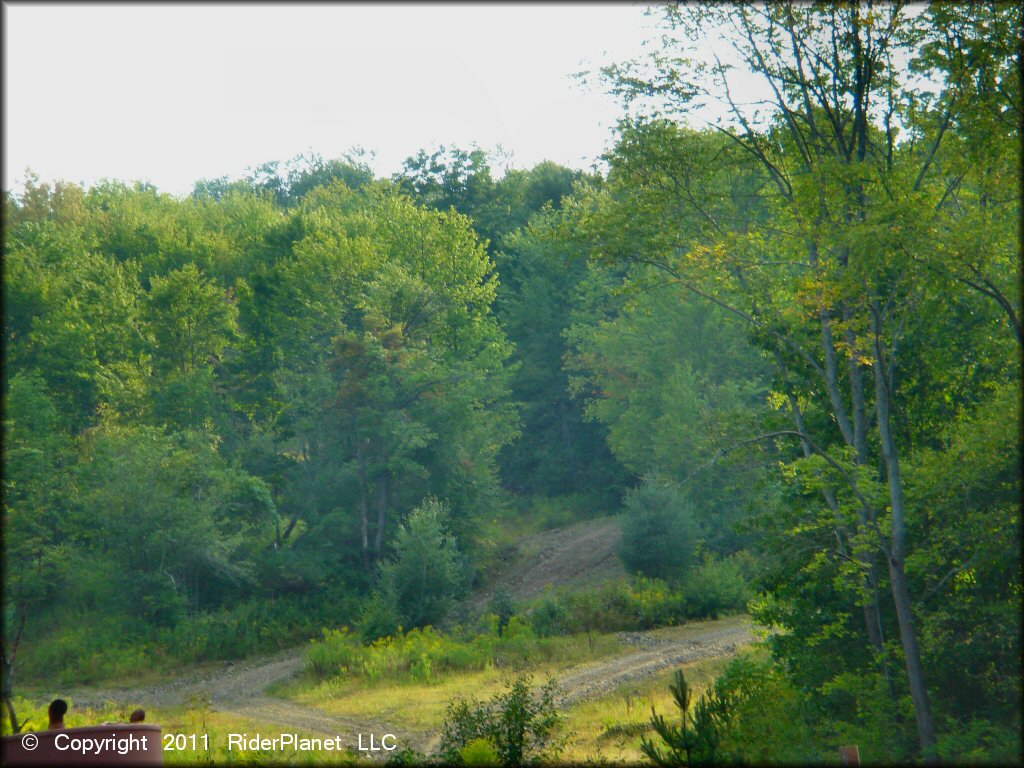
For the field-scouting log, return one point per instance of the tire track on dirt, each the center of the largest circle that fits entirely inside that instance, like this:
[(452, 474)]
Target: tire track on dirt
[(241, 689), (574, 557), (602, 677)]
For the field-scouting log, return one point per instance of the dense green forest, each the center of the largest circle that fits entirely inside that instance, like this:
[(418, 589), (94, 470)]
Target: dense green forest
[(786, 345)]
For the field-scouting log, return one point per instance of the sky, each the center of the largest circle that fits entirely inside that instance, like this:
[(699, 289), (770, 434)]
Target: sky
[(174, 93)]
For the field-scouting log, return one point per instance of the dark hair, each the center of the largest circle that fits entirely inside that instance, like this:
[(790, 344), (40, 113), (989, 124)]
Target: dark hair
[(137, 716), (58, 708)]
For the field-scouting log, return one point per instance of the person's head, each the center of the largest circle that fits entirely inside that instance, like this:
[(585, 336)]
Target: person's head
[(137, 716), (58, 708)]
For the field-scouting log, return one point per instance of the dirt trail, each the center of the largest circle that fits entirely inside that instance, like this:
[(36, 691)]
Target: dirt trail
[(660, 649), (574, 557), (230, 683), (241, 689)]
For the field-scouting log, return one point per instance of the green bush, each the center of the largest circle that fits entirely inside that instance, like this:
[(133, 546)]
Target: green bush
[(88, 651), (337, 652), (549, 617), (420, 584), (478, 752), (980, 741), (255, 626), (566, 509), (760, 716), (859, 708), (659, 533), (419, 653), (697, 738), (715, 587), (756, 714), (417, 587), (425, 654), (502, 606), (640, 603), (379, 617), (381, 648), (518, 725)]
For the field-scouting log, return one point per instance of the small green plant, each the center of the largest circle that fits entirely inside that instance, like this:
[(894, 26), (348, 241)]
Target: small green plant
[(696, 739), (715, 587), (407, 756), (502, 606), (517, 724), (479, 752), (89, 649), (549, 617), (640, 603), (425, 655)]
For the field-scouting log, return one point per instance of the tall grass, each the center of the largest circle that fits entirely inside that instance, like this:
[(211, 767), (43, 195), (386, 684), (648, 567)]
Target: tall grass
[(89, 648), (424, 655), (710, 590)]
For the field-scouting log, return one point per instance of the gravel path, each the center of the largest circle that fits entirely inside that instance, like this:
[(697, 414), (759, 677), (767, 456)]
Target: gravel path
[(658, 652), (239, 688), (227, 684), (574, 557)]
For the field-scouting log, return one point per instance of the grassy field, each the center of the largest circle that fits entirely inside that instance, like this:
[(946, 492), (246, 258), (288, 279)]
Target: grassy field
[(610, 728), (607, 727), (420, 707)]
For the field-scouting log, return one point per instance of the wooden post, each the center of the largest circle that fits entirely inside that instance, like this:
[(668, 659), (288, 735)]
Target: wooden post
[(849, 755)]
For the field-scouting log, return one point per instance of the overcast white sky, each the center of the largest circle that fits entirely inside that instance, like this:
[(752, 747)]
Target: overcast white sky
[(174, 93)]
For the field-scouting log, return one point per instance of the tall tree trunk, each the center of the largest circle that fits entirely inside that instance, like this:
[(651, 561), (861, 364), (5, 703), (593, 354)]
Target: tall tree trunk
[(869, 556), (832, 379), (364, 502), (8, 673), (872, 615), (383, 500), (862, 88), (569, 448), (15, 725), (364, 520), (854, 434), (898, 549)]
